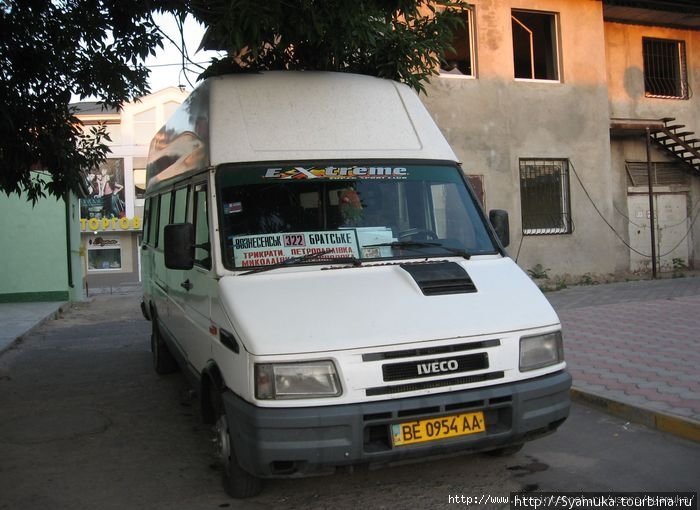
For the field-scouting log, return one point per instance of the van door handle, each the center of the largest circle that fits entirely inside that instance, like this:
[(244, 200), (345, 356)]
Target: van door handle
[(187, 285)]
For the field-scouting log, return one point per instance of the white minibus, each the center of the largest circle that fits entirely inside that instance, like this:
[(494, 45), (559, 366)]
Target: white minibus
[(317, 265)]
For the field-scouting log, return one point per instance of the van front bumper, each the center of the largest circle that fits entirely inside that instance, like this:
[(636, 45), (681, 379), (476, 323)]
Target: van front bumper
[(283, 442)]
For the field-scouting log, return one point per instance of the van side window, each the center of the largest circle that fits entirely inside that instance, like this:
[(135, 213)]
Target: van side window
[(152, 237), (164, 215), (146, 221), (200, 219), (180, 206)]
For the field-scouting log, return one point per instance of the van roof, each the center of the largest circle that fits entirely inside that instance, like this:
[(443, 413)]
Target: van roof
[(298, 116)]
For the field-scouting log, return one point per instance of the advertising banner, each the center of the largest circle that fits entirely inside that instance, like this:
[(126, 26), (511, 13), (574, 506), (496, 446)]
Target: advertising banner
[(106, 192)]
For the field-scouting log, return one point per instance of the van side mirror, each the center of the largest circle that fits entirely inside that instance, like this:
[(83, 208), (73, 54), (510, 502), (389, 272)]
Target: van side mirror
[(499, 222), (179, 245)]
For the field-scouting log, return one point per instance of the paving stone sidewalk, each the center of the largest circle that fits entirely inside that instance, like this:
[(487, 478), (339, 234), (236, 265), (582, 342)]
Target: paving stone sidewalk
[(636, 343)]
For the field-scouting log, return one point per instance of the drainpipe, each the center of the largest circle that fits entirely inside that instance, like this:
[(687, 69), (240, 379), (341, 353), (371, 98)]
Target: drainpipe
[(651, 207), (69, 259)]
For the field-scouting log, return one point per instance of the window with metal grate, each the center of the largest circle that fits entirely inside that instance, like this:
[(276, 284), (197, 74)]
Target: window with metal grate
[(544, 196), (665, 73)]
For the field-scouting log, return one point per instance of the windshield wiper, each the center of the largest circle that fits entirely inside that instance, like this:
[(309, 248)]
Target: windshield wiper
[(306, 258), (416, 245)]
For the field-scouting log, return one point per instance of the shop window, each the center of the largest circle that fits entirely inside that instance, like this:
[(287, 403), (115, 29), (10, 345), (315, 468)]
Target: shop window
[(104, 254), (665, 73), (459, 59), (535, 55), (544, 196)]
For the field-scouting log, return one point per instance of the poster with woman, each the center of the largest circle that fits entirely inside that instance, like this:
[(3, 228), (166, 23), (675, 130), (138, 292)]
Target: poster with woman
[(106, 191)]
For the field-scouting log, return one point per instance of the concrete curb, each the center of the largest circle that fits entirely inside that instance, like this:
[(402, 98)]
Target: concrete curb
[(686, 428), (62, 307)]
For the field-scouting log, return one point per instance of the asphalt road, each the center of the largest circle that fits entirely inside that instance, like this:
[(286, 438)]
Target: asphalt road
[(86, 424)]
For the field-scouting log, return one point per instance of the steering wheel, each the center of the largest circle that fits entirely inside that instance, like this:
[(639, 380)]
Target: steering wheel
[(423, 233)]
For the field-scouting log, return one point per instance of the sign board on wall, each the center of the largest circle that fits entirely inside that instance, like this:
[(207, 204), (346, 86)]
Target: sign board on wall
[(110, 224), (106, 192)]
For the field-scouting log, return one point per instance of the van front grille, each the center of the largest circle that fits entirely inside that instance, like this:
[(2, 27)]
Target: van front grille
[(433, 367), (422, 385), (429, 351)]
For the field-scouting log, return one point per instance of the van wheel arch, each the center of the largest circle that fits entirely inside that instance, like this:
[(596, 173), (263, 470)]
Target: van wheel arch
[(163, 360), (211, 379), (237, 482)]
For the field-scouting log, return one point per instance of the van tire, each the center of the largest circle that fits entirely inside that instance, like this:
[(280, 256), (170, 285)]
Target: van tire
[(163, 361), (238, 483)]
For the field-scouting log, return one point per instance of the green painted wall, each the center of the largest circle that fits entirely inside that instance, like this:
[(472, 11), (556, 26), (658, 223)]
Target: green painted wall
[(33, 254)]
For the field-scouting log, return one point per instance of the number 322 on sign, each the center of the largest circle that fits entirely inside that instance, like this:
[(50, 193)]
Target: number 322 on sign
[(437, 428)]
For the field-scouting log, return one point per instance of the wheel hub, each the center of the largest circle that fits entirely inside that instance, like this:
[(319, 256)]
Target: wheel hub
[(223, 442)]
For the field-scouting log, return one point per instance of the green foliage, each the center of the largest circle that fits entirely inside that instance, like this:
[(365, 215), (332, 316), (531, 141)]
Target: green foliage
[(679, 267), (403, 40), (538, 272), (587, 279), (50, 50)]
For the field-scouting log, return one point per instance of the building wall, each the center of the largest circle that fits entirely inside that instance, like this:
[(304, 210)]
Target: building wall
[(35, 253), (625, 68), (492, 120), (131, 138)]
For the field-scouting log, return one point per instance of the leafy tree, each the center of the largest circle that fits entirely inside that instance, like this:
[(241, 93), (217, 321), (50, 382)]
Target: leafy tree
[(401, 40), (53, 49), (49, 50)]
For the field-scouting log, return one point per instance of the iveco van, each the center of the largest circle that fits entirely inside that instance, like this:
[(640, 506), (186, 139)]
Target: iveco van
[(316, 263)]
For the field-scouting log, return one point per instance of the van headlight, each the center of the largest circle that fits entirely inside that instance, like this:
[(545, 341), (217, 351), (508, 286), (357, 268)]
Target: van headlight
[(540, 351), (313, 379)]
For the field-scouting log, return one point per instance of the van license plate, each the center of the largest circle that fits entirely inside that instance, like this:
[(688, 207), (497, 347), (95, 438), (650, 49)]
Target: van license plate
[(434, 429)]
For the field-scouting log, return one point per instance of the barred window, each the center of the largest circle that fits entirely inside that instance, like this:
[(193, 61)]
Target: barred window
[(544, 196), (665, 73)]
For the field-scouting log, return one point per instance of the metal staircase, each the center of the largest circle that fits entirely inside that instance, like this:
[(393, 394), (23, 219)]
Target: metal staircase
[(680, 143)]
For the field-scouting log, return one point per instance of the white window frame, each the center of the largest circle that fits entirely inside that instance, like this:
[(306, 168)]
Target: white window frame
[(469, 11), (556, 47)]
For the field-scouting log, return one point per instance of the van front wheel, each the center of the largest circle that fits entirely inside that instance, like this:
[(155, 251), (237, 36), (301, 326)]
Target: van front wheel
[(238, 483)]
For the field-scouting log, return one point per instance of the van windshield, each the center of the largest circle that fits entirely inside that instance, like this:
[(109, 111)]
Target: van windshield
[(312, 213)]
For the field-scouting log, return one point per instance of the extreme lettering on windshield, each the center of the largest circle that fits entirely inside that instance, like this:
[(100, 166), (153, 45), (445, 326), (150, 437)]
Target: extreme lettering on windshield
[(335, 172)]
